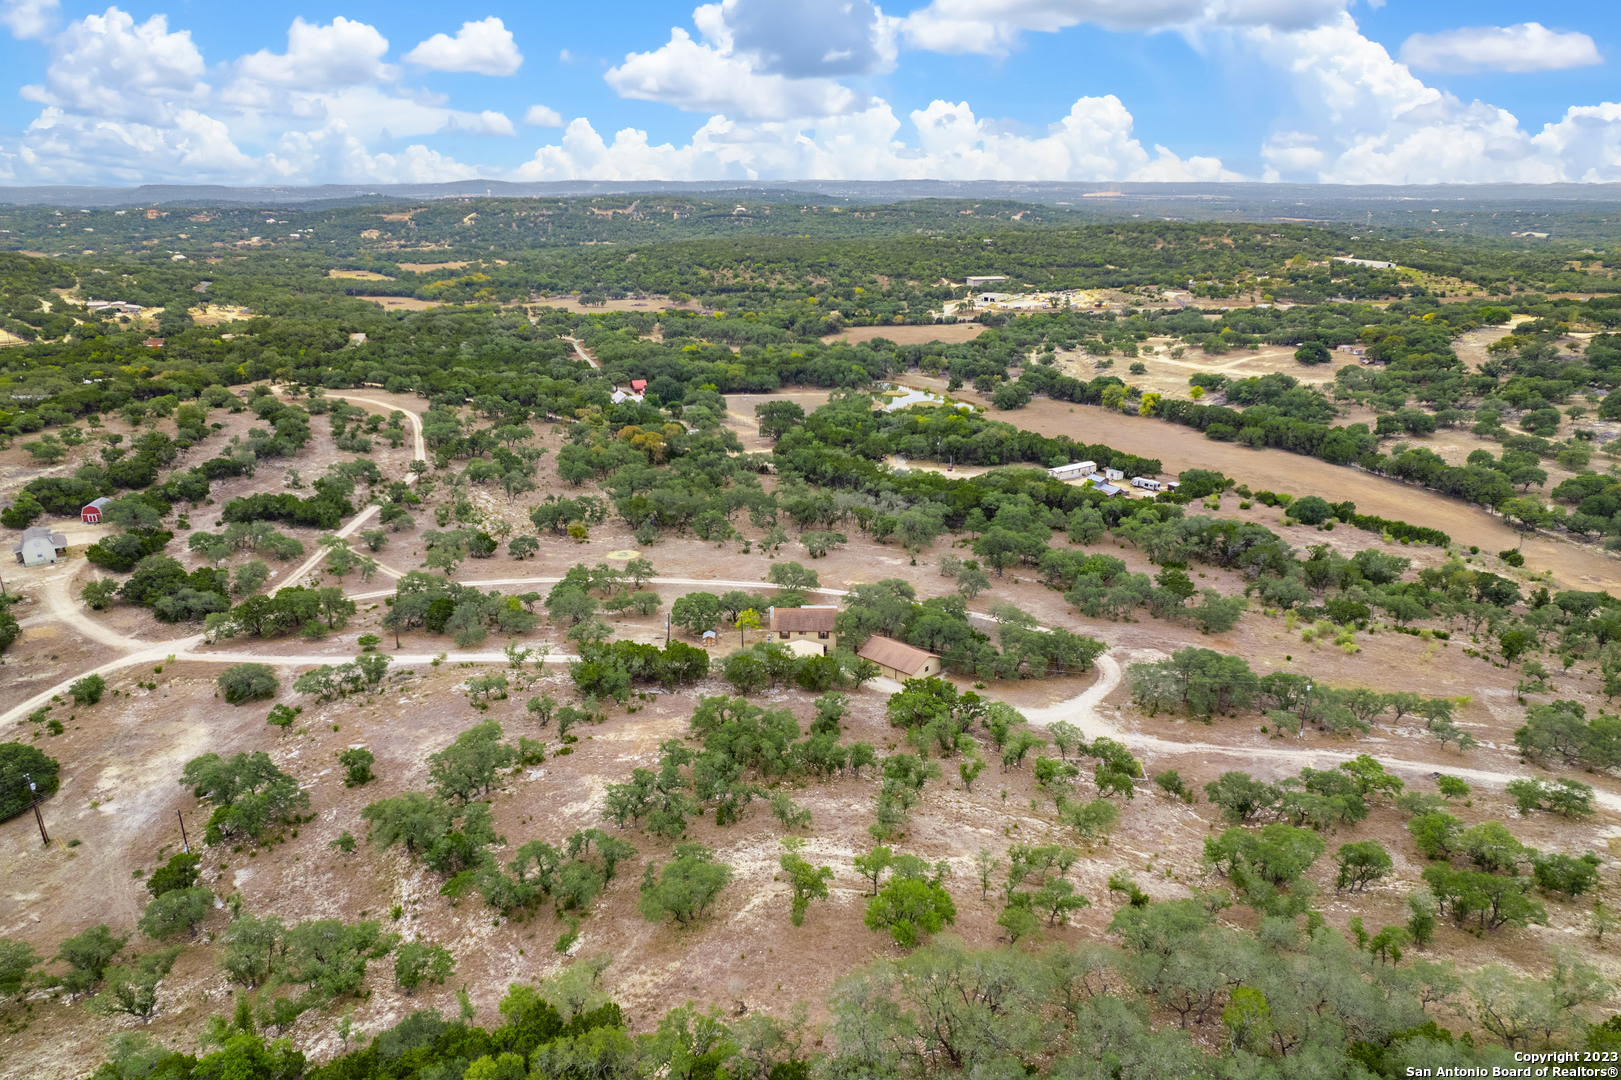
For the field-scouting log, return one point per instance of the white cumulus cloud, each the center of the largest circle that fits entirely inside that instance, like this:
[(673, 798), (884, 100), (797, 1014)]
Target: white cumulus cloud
[(1093, 142), (110, 66), (1519, 48), (1360, 117), (994, 27), (483, 48), (709, 76), (342, 53), (28, 18), (543, 116)]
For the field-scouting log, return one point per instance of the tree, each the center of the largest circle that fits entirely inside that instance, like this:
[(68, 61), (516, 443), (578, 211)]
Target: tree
[(696, 612), (17, 962), (417, 962), (19, 766), (22, 513), (1092, 820), (971, 581), (1240, 796), (1310, 510), (330, 956), (778, 417), (873, 864), (1057, 897), (248, 682), (1451, 787), (248, 792), (176, 910), (747, 619), (1312, 352), (132, 988), (469, 765), (1562, 874), (1360, 863), (686, 887), (807, 882), (793, 575), (100, 594), (788, 812), (180, 872), (1170, 781), (909, 907), (1572, 798), (639, 572), (88, 954), (1018, 918)]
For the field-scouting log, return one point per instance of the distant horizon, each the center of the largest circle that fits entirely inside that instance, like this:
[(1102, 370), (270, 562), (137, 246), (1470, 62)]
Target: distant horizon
[(1035, 191)]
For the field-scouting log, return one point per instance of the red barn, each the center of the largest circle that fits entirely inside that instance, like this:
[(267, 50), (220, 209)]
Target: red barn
[(91, 514)]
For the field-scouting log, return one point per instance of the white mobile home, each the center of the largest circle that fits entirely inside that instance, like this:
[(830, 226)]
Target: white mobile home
[(1113, 474), (1073, 471), (1145, 483)]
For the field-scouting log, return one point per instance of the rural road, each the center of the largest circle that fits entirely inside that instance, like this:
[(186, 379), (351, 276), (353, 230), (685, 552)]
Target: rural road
[(1083, 712), (419, 449), (580, 351)]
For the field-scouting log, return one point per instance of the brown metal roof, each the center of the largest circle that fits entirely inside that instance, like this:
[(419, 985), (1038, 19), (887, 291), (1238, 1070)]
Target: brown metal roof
[(894, 654), (809, 620)]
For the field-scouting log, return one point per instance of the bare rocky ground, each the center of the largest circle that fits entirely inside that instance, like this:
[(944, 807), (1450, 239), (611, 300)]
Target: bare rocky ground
[(121, 759)]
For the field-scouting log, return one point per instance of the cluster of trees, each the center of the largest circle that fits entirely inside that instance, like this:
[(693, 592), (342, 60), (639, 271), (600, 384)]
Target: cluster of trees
[(1205, 683), (1276, 1000), (440, 606), (296, 609), (745, 749), (613, 669), (452, 834), (768, 664), (250, 795), (1558, 732), (941, 625)]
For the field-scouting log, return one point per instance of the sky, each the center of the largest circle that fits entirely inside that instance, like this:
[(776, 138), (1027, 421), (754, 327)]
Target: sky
[(363, 91)]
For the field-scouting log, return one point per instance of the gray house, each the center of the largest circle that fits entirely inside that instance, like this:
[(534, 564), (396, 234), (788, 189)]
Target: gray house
[(40, 545)]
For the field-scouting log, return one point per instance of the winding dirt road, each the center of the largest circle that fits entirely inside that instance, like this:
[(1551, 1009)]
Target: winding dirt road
[(1083, 711)]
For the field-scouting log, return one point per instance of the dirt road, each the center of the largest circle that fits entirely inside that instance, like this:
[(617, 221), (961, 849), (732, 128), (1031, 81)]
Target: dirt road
[(420, 450), (579, 350), (1085, 713)]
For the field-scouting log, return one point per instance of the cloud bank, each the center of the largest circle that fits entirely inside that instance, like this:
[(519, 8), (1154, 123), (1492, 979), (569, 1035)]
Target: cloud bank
[(782, 91)]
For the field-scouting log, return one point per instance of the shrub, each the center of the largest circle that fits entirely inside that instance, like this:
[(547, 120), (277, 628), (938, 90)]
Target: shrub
[(1311, 510), (88, 690), (358, 762), (248, 682)]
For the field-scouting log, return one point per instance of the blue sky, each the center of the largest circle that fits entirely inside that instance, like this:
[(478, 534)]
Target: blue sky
[(337, 91)]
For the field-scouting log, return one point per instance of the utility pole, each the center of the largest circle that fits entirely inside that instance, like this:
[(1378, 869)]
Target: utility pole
[(184, 840), (1305, 703), (44, 839)]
